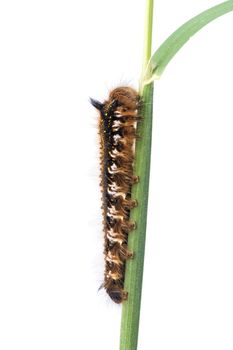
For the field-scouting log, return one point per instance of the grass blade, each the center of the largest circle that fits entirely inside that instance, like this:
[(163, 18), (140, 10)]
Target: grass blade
[(172, 45), (136, 242)]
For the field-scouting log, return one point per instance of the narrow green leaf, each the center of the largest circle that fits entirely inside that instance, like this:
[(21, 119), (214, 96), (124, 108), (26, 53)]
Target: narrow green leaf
[(136, 241), (169, 48)]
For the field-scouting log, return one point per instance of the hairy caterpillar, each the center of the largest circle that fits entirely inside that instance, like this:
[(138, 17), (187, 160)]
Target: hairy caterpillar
[(118, 117)]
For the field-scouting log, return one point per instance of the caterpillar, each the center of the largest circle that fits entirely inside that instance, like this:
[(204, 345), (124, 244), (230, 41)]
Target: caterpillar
[(118, 117)]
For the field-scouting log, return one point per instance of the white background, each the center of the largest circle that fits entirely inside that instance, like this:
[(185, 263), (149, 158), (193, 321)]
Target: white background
[(54, 55)]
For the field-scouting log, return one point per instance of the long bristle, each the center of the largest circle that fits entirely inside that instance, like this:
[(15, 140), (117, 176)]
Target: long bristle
[(98, 105)]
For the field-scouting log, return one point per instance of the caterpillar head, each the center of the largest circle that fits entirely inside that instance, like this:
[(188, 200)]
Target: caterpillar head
[(126, 97), (121, 99)]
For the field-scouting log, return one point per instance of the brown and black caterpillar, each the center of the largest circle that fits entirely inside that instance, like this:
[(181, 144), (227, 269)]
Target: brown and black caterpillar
[(118, 118)]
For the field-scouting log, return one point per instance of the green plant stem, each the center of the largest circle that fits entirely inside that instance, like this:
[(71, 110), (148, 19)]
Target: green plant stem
[(136, 242), (148, 34)]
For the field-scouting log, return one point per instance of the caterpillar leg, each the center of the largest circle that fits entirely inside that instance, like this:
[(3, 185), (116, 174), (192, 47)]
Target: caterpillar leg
[(135, 179)]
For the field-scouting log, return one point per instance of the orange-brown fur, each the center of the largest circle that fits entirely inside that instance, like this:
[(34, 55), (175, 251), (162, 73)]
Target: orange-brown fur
[(117, 129)]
